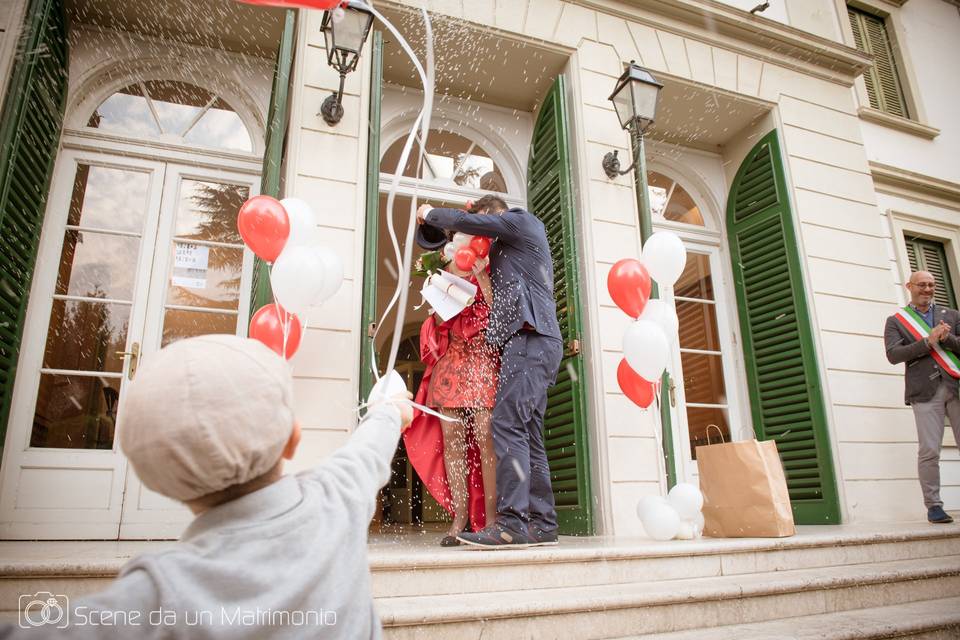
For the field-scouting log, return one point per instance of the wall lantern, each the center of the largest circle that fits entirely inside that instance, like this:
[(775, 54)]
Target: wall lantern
[(343, 36), (635, 101)]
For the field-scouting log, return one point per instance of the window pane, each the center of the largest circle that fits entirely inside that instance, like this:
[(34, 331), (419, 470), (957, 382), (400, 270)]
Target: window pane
[(450, 159), (98, 265), (703, 378), (681, 208), (204, 276), (208, 211), (698, 326), (695, 281), (177, 103), (179, 324), (75, 412), (86, 336), (699, 421), (108, 198), (125, 112), (220, 127)]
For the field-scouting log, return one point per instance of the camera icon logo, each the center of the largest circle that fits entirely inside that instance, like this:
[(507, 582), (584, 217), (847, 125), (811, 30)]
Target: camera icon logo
[(44, 609)]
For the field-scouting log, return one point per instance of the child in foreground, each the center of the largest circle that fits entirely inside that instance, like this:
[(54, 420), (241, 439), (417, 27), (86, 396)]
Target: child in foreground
[(208, 422)]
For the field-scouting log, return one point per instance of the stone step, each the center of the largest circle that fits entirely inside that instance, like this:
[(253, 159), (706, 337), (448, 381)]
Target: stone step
[(928, 620), (637, 608), (584, 562)]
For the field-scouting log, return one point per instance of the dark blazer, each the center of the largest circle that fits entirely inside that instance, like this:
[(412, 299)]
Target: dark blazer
[(521, 269), (923, 373)]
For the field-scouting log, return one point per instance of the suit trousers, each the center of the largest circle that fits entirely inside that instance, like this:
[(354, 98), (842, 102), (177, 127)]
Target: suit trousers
[(529, 366), (930, 422)]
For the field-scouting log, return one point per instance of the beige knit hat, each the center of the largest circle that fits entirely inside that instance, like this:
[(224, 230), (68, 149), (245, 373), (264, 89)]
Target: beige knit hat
[(207, 413)]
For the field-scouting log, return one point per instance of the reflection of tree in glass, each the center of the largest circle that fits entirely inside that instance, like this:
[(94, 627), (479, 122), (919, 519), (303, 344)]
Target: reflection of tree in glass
[(464, 175), (215, 206)]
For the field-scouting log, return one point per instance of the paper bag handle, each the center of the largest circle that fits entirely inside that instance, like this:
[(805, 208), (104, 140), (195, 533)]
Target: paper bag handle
[(719, 430)]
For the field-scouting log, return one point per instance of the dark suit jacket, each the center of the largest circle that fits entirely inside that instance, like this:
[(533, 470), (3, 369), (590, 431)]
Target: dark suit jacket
[(923, 373), (521, 269)]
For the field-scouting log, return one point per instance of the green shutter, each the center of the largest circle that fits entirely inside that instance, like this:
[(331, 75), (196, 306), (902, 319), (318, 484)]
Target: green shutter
[(782, 376), (882, 79), (550, 197), (929, 255), (29, 137), (372, 227), (277, 119)]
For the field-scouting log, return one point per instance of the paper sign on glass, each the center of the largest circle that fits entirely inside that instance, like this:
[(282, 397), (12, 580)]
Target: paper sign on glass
[(190, 263)]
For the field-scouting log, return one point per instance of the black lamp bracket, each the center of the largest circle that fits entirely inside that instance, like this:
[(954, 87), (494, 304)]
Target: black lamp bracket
[(611, 165), (332, 108)]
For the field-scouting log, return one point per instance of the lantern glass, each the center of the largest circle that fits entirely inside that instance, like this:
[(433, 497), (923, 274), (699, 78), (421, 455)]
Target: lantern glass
[(635, 98), (344, 38)]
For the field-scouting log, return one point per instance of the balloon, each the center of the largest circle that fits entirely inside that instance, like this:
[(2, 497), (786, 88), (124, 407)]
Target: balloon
[(633, 386), (332, 273), (461, 240), (664, 256), (661, 522), (303, 223), (480, 246), (465, 259), (629, 286), (646, 502), (686, 531), (664, 316), (449, 251), (646, 349), (267, 327), (302, 4), (264, 225), (698, 523), (686, 499), (297, 279)]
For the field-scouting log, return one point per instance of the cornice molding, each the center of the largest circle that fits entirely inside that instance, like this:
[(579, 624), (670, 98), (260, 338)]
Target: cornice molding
[(717, 23), (903, 181)]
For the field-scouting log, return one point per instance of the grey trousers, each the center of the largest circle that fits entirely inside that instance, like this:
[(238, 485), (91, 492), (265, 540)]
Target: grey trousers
[(929, 416)]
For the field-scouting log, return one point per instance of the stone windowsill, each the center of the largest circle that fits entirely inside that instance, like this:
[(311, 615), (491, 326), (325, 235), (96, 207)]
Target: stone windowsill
[(896, 122)]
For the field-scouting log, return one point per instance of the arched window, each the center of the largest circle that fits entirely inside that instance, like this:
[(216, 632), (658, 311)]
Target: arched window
[(670, 201), (173, 111), (451, 160)]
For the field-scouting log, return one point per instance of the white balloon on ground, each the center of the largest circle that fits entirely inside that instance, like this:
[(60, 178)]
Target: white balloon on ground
[(662, 522), (664, 256), (646, 349), (461, 239), (686, 531), (297, 278), (332, 273), (686, 499), (664, 315), (450, 251), (303, 223), (647, 502)]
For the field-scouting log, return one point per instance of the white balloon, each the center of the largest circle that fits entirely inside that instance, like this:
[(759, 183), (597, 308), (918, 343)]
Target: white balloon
[(664, 315), (646, 349), (686, 499), (662, 522), (303, 223), (647, 502), (450, 250), (461, 239), (332, 273), (698, 523), (686, 531), (297, 278), (664, 257)]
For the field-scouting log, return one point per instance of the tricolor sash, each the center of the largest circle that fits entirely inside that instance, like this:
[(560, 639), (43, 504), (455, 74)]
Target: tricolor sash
[(916, 326)]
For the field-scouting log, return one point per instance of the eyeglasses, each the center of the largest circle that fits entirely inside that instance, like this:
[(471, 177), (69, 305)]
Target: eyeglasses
[(925, 285)]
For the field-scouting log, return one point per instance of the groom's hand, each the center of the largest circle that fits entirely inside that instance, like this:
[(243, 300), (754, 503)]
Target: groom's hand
[(422, 212)]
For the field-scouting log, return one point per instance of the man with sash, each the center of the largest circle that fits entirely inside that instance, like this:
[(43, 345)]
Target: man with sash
[(924, 335)]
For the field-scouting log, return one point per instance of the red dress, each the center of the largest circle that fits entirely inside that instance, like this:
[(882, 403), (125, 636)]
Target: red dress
[(462, 371)]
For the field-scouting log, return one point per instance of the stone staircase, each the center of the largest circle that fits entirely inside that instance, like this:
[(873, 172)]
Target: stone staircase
[(828, 583)]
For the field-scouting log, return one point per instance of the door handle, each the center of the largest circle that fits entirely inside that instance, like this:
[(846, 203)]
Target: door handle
[(573, 348), (134, 354), (673, 393)]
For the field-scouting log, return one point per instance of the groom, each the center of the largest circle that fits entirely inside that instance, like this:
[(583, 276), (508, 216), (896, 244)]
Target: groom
[(523, 322)]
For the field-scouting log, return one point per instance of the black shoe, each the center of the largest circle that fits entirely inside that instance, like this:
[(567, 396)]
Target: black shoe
[(542, 538), (937, 515), (449, 541), (496, 536)]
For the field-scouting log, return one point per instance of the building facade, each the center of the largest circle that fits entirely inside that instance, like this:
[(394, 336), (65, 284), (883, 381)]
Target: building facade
[(802, 154)]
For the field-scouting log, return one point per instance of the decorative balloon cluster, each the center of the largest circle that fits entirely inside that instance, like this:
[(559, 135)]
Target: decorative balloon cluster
[(284, 234), (646, 343), (676, 516), (464, 250)]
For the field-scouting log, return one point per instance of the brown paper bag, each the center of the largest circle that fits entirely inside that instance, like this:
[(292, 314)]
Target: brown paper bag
[(744, 491)]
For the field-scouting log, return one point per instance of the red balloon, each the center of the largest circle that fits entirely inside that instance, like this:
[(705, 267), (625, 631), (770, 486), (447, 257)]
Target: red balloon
[(267, 327), (636, 388), (480, 246), (465, 258), (264, 225), (302, 4), (629, 286)]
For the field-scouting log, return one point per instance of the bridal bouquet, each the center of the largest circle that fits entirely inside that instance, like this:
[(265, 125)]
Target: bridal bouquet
[(428, 263)]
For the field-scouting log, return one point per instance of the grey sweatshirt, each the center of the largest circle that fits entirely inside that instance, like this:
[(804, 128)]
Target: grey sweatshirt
[(287, 561)]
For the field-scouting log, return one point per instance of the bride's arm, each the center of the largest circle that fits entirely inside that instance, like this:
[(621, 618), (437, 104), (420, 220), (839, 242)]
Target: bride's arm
[(483, 279)]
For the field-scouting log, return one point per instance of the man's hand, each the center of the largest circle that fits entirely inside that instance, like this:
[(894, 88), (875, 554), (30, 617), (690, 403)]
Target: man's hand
[(937, 333), (422, 212)]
